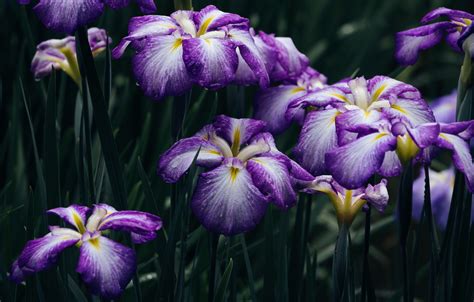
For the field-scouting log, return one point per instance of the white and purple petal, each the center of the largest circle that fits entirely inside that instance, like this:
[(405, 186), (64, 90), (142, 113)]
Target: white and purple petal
[(226, 201), (444, 108), (105, 266), (75, 215), (210, 18), (237, 131), (413, 111), (391, 165), (377, 195)]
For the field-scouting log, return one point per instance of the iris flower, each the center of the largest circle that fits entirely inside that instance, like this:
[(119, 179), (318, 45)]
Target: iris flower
[(441, 189), (244, 173), (204, 48), (61, 54), (271, 104), (444, 108), (68, 15), (105, 266), (457, 32), (353, 120), (348, 203)]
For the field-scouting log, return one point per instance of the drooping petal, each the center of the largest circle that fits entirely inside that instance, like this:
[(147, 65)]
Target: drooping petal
[(377, 195), (446, 12), (140, 223), (42, 253), (271, 176), (177, 160), (226, 201), (251, 68), (74, 215), (353, 164), (67, 16), (105, 266), (391, 165), (159, 67), (16, 274), (461, 155), (382, 87), (272, 103), (142, 27), (210, 18), (424, 135), (409, 43), (357, 120), (415, 112), (211, 62), (317, 137), (237, 131), (290, 58)]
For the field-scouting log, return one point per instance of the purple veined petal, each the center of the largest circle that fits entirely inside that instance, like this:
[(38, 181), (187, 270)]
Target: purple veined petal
[(45, 60), (24, 2), (226, 201), (409, 43), (142, 237), (75, 215), (16, 274), (357, 120), (268, 52), (237, 131), (424, 135), (461, 155), (159, 68), (444, 108), (458, 128), (251, 68), (142, 27), (290, 58), (67, 16), (382, 87), (446, 12), (271, 176), (353, 164), (452, 39), (43, 253), (185, 20), (415, 112), (377, 195), (177, 160), (210, 18), (105, 266), (98, 40), (210, 62), (272, 103), (317, 137), (140, 223), (320, 98), (391, 165)]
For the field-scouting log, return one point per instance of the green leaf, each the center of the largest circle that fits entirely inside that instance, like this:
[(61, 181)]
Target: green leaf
[(342, 277), (75, 290), (222, 287), (248, 267)]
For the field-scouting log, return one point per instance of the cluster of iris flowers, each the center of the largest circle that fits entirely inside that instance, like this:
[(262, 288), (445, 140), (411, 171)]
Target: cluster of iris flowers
[(356, 134)]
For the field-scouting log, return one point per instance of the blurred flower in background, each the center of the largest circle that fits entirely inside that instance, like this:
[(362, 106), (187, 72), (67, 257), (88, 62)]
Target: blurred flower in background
[(61, 54), (444, 108), (106, 267)]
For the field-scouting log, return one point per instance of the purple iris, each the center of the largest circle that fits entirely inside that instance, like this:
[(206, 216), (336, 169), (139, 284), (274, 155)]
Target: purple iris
[(441, 189), (271, 104), (61, 54), (204, 48), (68, 15), (444, 108), (105, 266), (456, 31), (245, 172), (349, 135), (348, 203)]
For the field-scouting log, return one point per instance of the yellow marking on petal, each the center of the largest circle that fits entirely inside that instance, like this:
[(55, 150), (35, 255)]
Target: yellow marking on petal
[(78, 221), (95, 242), (297, 89), (467, 21), (379, 136), (233, 173), (443, 136), (333, 119), (177, 44), (236, 142), (378, 92), (340, 96), (214, 152), (204, 26), (396, 107)]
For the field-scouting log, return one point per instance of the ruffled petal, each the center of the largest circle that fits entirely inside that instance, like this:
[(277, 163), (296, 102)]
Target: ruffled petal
[(211, 62), (292, 61), (424, 135), (210, 18), (409, 43), (75, 215), (353, 164), (43, 253), (391, 165), (272, 103), (357, 120), (159, 68), (382, 87), (140, 223), (177, 160), (317, 137), (67, 16), (415, 112), (446, 12), (226, 201), (377, 195), (237, 131), (105, 266), (461, 155), (271, 176)]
